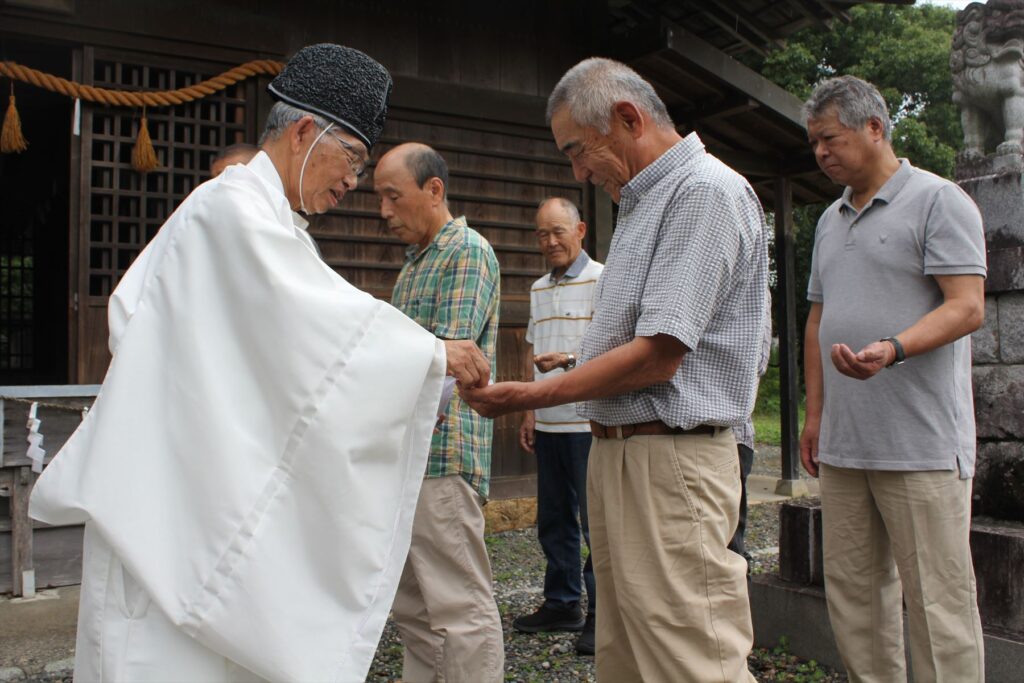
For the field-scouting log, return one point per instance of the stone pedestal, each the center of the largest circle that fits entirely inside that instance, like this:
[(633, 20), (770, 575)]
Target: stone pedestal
[(997, 185), (800, 550)]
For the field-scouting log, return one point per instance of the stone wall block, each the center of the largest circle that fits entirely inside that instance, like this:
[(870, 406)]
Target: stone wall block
[(998, 550), (985, 341), (1000, 198), (996, 185), (1011, 327), (999, 401), (1005, 270), (999, 480)]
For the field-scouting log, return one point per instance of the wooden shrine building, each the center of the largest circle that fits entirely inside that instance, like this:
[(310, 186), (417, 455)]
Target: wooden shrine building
[(471, 79)]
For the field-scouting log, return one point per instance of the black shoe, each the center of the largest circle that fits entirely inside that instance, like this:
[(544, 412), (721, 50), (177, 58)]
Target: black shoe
[(585, 643), (548, 619)]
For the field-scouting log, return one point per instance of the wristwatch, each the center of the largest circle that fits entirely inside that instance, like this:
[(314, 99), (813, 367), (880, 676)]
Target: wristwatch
[(570, 362), (900, 355)]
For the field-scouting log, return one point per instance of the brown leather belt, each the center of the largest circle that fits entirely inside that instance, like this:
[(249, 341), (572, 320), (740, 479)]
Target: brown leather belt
[(657, 427)]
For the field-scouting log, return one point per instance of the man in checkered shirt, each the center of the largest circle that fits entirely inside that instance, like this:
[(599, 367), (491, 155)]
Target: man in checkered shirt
[(667, 367)]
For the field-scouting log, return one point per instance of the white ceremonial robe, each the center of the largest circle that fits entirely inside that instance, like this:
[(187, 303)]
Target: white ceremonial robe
[(250, 468)]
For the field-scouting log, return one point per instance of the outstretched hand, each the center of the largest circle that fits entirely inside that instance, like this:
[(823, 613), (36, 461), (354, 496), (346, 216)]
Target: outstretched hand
[(497, 399), (865, 363), (467, 363)]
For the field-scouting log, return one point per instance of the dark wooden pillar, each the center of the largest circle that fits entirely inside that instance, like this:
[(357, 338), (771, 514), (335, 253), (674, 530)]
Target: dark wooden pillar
[(603, 223), (21, 533), (789, 382)]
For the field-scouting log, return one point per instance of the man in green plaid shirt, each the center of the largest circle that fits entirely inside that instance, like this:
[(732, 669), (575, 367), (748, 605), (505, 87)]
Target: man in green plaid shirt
[(445, 608), (450, 287)]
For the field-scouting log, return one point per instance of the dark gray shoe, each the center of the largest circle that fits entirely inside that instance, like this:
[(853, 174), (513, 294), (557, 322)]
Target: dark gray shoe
[(548, 619), (585, 643)]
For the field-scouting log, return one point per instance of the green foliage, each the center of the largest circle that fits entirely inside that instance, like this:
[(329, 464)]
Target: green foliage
[(912, 139), (768, 391), (768, 425), (767, 416)]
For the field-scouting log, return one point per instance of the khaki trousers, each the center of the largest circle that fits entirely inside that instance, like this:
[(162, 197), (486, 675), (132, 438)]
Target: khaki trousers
[(674, 606), (879, 523), (445, 609)]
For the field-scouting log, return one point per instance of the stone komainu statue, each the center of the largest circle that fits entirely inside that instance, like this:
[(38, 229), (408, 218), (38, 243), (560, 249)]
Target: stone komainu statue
[(987, 61)]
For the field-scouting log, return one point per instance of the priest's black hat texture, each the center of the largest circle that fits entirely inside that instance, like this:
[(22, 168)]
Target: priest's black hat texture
[(341, 84)]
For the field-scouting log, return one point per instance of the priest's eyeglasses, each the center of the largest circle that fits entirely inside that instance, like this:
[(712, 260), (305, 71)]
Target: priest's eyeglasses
[(357, 165)]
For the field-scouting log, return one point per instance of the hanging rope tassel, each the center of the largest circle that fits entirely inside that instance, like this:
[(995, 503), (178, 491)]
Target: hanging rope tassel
[(143, 155), (11, 139)]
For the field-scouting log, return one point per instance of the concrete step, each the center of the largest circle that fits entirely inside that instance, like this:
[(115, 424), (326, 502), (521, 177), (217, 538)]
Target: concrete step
[(763, 489)]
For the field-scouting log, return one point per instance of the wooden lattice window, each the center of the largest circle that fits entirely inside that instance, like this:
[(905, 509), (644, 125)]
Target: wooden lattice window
[(125, 208), (16, 300)]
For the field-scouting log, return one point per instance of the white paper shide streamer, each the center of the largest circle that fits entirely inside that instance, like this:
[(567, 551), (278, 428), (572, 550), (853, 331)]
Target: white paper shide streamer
[(35, 452)]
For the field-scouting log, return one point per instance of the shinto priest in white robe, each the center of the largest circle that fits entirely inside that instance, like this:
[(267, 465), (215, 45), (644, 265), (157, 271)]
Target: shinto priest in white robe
[(249, 471)]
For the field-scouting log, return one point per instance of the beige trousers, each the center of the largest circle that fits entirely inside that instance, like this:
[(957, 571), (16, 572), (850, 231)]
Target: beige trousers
[(887, 529), (674, 606), (445, 609)]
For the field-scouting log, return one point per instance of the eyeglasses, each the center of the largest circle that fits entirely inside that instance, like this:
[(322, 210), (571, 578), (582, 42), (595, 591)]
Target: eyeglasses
[(356, 163)]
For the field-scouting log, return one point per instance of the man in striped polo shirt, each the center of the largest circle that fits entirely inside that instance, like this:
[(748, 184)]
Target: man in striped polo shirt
[(561, 306)]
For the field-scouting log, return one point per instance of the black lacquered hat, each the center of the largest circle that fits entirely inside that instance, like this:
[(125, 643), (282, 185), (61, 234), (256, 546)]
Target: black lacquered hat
[(341, 84)]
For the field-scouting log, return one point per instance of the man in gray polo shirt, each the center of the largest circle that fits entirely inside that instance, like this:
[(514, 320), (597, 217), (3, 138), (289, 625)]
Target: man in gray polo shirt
[(897, 282), (667, 366)]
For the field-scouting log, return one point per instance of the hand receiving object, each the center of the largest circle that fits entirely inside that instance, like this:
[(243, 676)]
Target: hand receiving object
[(467, 363), (864, 364)]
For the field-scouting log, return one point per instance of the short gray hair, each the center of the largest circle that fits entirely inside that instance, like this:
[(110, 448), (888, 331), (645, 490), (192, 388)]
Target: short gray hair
[(591, 88), (283, 115), (567, 206), (424, 163), (856, 102)]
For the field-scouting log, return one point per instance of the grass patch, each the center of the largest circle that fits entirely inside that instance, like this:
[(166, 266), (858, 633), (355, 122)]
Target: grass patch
[(767, 410), (768, 426)]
